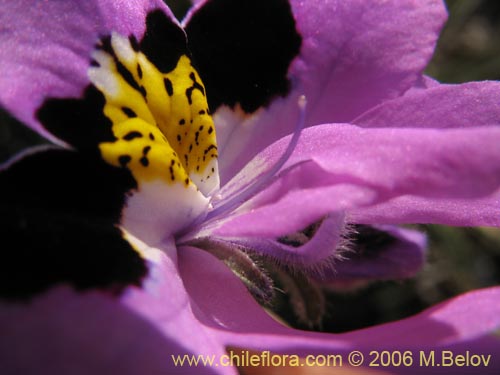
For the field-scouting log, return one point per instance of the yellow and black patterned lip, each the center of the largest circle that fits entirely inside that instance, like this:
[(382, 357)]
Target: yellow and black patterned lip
[(62, 208), (81, 122)]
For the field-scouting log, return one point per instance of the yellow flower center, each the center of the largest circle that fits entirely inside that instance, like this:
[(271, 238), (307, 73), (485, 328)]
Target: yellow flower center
[(161, 121)]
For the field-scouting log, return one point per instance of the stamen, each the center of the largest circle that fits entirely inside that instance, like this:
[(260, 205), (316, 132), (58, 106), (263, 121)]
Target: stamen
[(239, 260), (267, 177)]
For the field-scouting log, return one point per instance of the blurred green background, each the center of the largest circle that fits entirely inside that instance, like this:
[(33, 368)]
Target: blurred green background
[(460, 259)]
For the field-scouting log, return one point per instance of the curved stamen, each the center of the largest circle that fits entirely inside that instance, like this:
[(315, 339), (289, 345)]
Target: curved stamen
[(265, 179)]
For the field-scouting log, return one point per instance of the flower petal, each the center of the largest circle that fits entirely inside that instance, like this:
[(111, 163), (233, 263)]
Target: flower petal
[(356, 49), (194, 315), (378, 253), (94, 333), (410, 209), (363, 50), (60, 212), (235, 318), (341, 167), (63, 332), (47, 46), (444, 106), (311, 247)]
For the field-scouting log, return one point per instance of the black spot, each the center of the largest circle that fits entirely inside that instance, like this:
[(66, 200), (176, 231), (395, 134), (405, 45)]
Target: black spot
[(127, 76), (134, 43), (105, 45), (143, 91), (79, 121), (182, 122), (144, 161), (211, 147), (164, 42), (244, 56), (190, 147), (168, 86), (132, 135), (196, 136), (145, 150), (139, 70), (210, 130), (122, 70), (124, 160), (179, 138), (94, 63), (186, 181), (202, 112), (151, 136), (129, 112), (196, 86), (59, 212), (201, 128)]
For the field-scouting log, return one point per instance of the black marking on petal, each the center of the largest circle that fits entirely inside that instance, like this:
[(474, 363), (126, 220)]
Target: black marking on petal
[(196, 86), (202, 112), (127, 76), (134, 43), (129, 112), (211, 147), (243, 57), (124, 160), (77, 121), (132, 135), (168, 86), (179, 138), (106, 46), (144, 161), (143, 91), (171, 169), (186, 181), (164, 42), (145, 150), (139, 71), (151, 136), (60, 211), (182, 122), (210, 130)]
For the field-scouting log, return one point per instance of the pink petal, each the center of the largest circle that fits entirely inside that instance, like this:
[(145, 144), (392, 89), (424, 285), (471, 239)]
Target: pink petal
[(444, 106), (46, 47), (354, 56), (342, 167)]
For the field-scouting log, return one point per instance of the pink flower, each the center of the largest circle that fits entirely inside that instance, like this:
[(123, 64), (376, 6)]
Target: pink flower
[(122, 234)]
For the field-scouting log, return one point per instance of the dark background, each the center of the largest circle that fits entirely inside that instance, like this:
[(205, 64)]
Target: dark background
[(460, 259)]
